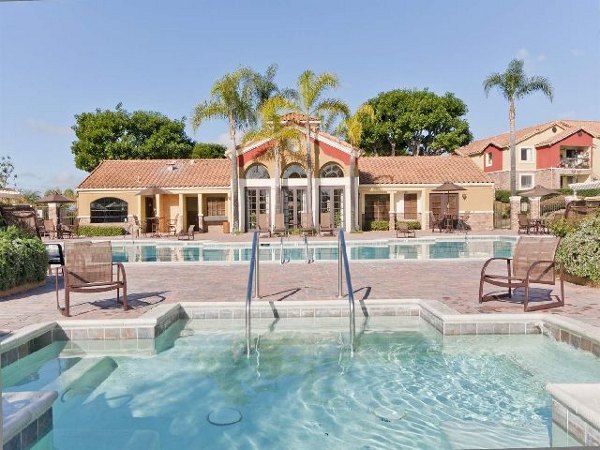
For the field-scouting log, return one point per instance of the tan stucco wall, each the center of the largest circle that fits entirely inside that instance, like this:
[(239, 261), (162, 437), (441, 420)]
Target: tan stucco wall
[(84, 198), (596, 157)]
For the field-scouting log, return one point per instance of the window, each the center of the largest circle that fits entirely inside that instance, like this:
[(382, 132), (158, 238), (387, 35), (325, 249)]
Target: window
[(294, 171), (526, 154), (526, 181), (257, 172), (108, 210), (488, 159), (215, 206), (331, 170)]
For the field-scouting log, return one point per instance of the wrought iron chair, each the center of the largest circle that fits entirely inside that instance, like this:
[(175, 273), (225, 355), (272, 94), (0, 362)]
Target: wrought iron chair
[(533, 261), (89, 268)]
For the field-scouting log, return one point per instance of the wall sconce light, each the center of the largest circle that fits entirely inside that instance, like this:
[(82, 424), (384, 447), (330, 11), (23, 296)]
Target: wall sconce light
[(464, 196)]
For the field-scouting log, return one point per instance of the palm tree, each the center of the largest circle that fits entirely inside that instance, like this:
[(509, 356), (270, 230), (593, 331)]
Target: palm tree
[(308, 100), (514, 84), (231, 98), (282, 138), (352, 128)]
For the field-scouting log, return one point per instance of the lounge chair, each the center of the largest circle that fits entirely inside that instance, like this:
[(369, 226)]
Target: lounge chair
[(533, 261), (307, 224), (263, 226), (279, 228), (325, 225), (89, 268), (187, 235), (173, 224), (402, 229), (68, 230)]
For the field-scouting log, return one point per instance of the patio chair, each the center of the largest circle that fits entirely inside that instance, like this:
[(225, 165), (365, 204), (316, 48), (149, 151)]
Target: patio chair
[(134, 228), (325, 225), (68, 230), (187, 235), (279, 228), (435, 222), (462, 222), (50, 228), (524, 223), (89, 268), (173, 224), (402, 229), (307, 224), (263, 226), (533, 261)]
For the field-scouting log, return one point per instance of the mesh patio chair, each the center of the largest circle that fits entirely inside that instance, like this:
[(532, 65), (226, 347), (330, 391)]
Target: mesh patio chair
[(50, 228), (435, 222), (533, 261), (325, 225), (173, 224), (402, 229), (307, 224), (263, 226), (524, 223), (89, 268), (279, 228)]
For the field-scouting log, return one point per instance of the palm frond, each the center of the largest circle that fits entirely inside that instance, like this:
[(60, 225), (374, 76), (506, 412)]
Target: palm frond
[(332, 106), (536, 83), (207, 111), (492, 81)]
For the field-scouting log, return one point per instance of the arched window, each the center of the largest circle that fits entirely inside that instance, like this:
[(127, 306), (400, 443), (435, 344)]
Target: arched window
[(257, 172), (108, 209), (331, 170), (294, 171)]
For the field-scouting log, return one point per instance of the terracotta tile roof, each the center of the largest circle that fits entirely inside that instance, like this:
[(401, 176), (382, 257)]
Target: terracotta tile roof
[(502, 140), (419, 170), (164, 173), (298, 117)]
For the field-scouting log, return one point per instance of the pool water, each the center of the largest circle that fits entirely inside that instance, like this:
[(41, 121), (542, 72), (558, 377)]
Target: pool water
[(294, 250), (406, 387)]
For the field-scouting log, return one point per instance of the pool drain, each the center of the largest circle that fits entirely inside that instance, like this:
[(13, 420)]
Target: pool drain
[(387, 414), (224, 416)]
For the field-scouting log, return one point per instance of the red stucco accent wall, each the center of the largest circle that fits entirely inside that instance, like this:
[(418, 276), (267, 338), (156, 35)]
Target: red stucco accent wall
[(549, 156), (335, 153), (496, 158)]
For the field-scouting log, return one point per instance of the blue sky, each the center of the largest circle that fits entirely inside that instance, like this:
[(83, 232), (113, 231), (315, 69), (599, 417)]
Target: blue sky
[(59, 58)]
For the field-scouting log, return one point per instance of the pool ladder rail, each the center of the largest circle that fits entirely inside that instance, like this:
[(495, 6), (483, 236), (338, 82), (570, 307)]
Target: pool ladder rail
[(254, 277)]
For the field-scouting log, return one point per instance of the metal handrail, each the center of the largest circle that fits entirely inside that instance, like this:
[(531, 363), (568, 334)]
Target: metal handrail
[(282, 259), (252, 279), (343, 263), (308, 258)]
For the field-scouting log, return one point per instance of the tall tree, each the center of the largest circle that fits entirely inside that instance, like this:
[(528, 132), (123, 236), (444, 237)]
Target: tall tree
[(283, 139), (415, 122), (308, 100), (202, 150), (7, 169), (352, 129), (514, 84), (231, 98), (118, 134)]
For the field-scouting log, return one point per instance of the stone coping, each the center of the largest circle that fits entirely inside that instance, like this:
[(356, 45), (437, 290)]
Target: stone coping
[(576, 409), (21, 409)]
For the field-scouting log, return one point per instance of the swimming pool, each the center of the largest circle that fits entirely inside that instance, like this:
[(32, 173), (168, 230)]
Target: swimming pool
[(294, 250), (407, 386)]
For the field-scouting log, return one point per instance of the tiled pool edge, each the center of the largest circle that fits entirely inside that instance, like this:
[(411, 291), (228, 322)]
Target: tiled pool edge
[(576, 409), (143, 330), (24, 425)]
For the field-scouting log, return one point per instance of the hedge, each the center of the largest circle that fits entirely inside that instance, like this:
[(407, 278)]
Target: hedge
[(412, 224), (23, 258), (579, 250), (92, 230), (379, 225)]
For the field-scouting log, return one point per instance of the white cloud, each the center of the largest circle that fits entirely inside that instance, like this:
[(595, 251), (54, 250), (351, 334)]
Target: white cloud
[(44, 127), (224, 139), (65, 178), (530, 60), (577, 52)]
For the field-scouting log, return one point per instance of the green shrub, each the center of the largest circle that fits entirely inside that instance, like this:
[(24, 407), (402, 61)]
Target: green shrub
[(23, 258), (565, 191), (588, 193), (579, 250), (379, 225), (412, 224), (93, 230), (562, 226), (502, 196)]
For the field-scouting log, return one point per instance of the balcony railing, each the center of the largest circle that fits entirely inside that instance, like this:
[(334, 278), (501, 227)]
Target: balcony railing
[(575, 163)]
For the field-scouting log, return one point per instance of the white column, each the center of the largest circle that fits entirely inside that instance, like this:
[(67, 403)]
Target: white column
[(200, 212), (181, 222)]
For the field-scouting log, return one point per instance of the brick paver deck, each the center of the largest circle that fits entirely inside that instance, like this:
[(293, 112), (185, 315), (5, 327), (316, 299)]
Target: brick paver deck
[(453, 282)]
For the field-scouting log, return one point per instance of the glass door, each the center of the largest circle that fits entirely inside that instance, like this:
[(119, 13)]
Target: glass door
[(332, 202), (293, 206), (257, 204)]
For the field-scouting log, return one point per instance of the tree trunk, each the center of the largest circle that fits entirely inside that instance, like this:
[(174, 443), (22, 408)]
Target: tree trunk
[(393, 148), (309, 172), (353, 224), (416, 145), (277, 198), (234, 179), (512, 150)]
